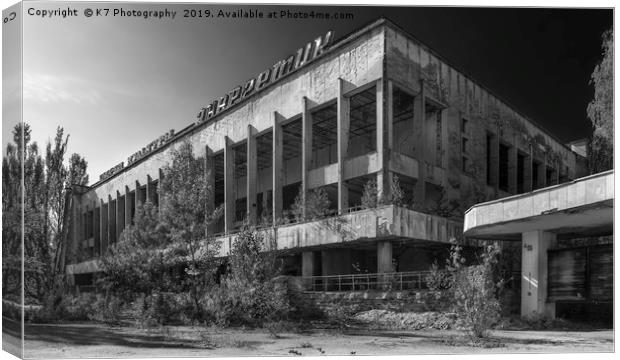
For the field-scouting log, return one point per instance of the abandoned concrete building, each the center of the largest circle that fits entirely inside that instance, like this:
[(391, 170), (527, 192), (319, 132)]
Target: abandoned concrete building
[(375, 105)]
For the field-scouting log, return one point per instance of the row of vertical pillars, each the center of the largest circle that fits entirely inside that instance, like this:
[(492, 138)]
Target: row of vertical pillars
[(260, 176), (101, 224), (255, 175), (514, 171)]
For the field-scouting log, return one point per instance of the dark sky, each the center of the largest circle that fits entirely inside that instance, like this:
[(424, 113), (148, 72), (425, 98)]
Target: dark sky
[(538, 60), (117, 83)]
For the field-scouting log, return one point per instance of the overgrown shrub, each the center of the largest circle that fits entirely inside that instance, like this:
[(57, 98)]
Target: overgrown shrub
[(249, 294), (475, 290), (106, 309), (316, 205), (437, 279), (371, 197), (472, 291)]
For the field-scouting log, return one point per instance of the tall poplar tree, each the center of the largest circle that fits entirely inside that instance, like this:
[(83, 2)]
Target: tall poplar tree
[(601, 109)]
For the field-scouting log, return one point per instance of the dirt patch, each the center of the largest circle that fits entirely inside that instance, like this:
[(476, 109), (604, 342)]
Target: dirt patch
[(408, 320), (95, 340)]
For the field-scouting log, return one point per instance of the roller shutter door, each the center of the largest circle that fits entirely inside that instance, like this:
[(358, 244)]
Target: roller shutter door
[(601, 273), (567, 274)]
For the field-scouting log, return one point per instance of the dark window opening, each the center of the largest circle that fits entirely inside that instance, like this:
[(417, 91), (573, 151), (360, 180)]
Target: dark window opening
[(503, 167), (218, 189), (403, 127), (132, 205), (325, 136), (520, 173), (535, 175), (551, 176), (240, 169), (155, 193), (489, 147), (363, 123), (289, 193), (112, 222)]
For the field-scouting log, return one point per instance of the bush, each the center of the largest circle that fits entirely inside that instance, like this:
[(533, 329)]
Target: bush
[(106, 309), (76, 307), (437, 279), (472, 291), (70, 307), (250, 293), (316, 205), (371, 197), (475, 290), (162, 308)]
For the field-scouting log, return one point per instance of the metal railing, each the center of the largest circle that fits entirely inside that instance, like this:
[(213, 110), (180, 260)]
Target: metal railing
[(395, 281)]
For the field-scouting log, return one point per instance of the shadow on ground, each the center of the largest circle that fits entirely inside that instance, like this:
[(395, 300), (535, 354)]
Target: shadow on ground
[(94, 334)]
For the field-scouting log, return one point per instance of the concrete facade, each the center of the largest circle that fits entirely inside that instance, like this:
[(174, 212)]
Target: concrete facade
[(377, 105)]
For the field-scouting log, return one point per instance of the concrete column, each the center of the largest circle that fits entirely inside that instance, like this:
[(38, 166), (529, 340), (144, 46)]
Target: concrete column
[(343, 126), (534, 273), (119, 216), (306, 150), (251, 176), (384, 256), (103, 227), (307, 263), (419, 121), (384, 141), (277, 168), (229, 185)]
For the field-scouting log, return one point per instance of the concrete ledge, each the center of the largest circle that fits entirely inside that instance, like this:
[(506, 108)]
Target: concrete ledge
[(384, 222), (379, 223), (591, 197), (86, 267)]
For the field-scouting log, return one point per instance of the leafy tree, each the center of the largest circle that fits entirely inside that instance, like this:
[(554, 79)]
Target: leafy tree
[(59, 179), (77, 170), (55, 185), (44, 182), (137, 263), (12, 218), (600, 109), (32, 208), (185, 213)]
